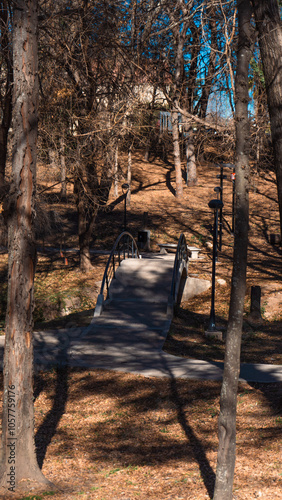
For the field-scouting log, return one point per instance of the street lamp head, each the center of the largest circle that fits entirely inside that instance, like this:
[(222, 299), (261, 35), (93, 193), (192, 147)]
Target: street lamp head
[(217, 189), (125, 187), (216, 204)]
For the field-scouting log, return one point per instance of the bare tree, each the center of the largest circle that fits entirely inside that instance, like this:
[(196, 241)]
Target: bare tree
[(94, 89), (269, 27), (228, 398), (18, 457)]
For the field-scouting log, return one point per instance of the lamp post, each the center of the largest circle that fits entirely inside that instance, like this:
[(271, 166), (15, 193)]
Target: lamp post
[(125, 188), (218, 191), (216, 205)]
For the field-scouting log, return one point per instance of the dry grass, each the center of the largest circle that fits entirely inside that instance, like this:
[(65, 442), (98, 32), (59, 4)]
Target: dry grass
[(103, 435)]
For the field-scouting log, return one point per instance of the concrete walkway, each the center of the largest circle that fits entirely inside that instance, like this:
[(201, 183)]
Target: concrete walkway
[(130, 333)]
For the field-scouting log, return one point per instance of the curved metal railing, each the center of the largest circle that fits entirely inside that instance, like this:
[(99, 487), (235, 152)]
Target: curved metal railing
[(180, 272), (125, 247)]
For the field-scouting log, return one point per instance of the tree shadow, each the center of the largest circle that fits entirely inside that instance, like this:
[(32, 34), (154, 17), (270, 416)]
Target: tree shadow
[(206, 470), (39, 385), (134, 444), (48, 428), (168, 181), (272, 392)]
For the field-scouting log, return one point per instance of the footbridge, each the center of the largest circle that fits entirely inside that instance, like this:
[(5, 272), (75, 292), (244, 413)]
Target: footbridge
[(132, 317), (133, 314), (154, 282), (136, 303)]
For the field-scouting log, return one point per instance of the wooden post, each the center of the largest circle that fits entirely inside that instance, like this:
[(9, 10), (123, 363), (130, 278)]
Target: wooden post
[(255, 302)]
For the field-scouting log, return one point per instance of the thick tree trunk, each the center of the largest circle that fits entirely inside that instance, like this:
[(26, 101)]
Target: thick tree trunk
[(176, 154), (192, 179), (269, 27), (86, 221), (85, 234), (18, 458), (6, 101), (91, 190), (6, 108), (228, 398)]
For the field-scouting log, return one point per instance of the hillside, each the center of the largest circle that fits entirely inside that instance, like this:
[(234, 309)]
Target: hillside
[(153, 192), (103, 435), (61, 289)]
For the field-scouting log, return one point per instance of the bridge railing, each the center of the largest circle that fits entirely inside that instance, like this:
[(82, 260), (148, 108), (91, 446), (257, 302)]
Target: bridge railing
[(180, 272), (125, 247)]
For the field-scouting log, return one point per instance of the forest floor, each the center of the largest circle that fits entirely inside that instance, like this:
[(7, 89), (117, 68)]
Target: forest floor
[(103, 435)]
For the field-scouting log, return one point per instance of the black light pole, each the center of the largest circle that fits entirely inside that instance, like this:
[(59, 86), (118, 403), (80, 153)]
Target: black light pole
[(216, 205), (125, 188)]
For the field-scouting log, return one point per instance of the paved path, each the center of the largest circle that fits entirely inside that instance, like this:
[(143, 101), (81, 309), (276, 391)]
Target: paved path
[(129, 335)]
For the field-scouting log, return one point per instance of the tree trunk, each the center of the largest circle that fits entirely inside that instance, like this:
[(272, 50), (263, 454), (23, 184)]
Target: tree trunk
[(129, 174), (6, 108), (228, 399), (53, 159), (176, 153), (269, 27), (86, 220), (116, 172), (190, 159), (202, 104), (63, 167), (85, 229), (149, 129), (179, 38), (193, 70), (19, 465), (6, 100), (91, 189), (3, 156)]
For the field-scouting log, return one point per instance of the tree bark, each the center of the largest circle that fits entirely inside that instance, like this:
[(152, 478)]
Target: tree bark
[(6, 108), (269, 27), (149, 138), (202, 105), (86, 221), (192, 179), (63, 167), (176, 153), (228, 399), (116, 172), (193, 70), (92, 192), (129, 175), (6, 101), (18, 458), (179, 39)]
